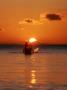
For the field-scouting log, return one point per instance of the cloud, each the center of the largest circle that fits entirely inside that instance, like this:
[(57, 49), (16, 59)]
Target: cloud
[(42, 19), (1, 29), (30, 21), (53, 17)]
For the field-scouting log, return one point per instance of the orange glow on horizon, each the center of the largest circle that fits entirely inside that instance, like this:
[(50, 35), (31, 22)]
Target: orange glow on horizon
[(22, 20)]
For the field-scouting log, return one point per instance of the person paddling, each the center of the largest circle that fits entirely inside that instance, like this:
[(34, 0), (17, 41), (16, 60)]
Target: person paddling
[(27, 50)]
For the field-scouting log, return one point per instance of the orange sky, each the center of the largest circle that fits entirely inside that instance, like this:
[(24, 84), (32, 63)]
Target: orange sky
[(23, 19)]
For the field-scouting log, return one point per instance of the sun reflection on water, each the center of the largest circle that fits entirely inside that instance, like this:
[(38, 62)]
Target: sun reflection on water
[(33, 77)]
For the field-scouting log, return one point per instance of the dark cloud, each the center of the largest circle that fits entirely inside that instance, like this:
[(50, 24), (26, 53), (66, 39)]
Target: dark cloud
[(29, 20), (53, 17), (0, 29)]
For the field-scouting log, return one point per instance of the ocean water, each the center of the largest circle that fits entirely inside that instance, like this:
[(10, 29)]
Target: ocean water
[(45, 70)]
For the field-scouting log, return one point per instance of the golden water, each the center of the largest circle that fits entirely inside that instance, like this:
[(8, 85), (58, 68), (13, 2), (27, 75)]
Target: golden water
[(40, 71)]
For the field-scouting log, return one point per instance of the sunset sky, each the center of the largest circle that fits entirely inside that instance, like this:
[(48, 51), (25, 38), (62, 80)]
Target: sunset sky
[(46, 20)]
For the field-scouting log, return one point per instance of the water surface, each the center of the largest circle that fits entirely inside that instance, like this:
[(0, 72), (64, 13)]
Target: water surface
[(46, 70)]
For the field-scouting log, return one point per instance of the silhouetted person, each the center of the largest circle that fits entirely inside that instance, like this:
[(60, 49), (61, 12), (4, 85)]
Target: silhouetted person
[(27, 50)]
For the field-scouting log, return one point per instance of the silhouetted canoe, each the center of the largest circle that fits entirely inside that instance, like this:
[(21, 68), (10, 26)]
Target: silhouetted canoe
[(27, 50)]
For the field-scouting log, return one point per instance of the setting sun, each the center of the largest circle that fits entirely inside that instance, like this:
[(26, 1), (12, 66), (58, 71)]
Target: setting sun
[(31, 40)]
